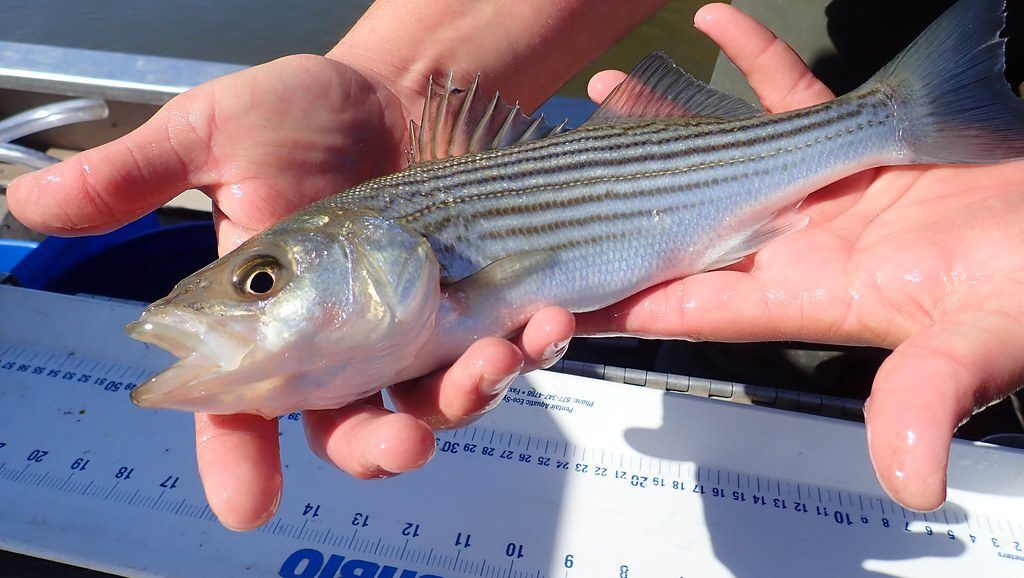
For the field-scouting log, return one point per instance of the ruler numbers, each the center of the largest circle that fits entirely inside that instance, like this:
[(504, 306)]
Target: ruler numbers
[(467, 550), (70, 368)]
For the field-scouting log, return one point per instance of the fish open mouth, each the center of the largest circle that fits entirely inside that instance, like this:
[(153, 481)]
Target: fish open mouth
[(206, 351)]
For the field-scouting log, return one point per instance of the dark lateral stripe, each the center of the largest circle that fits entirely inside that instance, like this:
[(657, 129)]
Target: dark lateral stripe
[(529, 230), (604, 139), (684, 190), (626, 161), (465, 203)]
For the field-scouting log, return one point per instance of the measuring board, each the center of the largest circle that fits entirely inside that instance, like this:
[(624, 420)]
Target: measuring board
[(569, 478)]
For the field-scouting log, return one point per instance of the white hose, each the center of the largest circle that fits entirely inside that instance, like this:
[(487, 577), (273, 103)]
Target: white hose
[(51, 116), (19, 155)]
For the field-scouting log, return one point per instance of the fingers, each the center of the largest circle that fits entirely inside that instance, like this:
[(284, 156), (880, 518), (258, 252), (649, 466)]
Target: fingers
[(778, 76), (733, 306), (103, 188), (603, 83), (368, 441), (545, 338), (240, 465), (457, 395), (926, 389), (229, 233), (476, 383)]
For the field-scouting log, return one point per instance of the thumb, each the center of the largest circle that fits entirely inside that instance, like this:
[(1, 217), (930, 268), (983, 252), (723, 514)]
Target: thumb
[(930, 385), (103, 188)]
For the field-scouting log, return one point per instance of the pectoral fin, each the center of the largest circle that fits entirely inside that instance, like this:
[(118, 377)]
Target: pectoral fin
[(506, 271)]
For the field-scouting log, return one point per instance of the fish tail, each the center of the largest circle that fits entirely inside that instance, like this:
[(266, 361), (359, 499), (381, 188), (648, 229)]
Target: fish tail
[(953, 103)]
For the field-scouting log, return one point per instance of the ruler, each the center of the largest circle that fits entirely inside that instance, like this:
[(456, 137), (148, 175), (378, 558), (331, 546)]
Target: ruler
[(569, 478)]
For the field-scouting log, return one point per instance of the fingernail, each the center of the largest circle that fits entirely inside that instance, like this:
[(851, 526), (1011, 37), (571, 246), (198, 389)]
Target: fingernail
[(495, 385), (553, 353), (263, 519), (273, 507), (379, 473), (700, 17)]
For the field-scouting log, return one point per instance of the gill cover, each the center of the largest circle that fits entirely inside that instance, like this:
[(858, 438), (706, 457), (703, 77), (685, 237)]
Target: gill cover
[(316, 312)]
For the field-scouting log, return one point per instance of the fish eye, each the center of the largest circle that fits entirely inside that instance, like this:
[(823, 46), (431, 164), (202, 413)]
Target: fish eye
[(260, 282), (258, 276)]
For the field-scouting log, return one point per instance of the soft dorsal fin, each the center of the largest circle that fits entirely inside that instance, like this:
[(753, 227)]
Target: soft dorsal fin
[(658, 88), (456, 121)]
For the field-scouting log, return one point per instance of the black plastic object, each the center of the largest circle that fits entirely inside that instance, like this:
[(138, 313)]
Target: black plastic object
[(139, 262)]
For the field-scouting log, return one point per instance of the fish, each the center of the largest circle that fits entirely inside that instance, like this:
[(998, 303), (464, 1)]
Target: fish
[(499, 215)]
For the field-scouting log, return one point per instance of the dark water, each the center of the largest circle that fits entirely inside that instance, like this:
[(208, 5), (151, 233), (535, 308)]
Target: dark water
[(254, 31)]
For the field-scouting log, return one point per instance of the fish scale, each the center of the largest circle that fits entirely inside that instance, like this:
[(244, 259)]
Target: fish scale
[(500, 215), (632, 208)]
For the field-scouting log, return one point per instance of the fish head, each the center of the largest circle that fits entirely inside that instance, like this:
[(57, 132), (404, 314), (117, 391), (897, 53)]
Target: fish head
[(316, 312)]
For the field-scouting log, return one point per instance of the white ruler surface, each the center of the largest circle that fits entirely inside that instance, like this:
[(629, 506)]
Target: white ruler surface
[(570, 477)]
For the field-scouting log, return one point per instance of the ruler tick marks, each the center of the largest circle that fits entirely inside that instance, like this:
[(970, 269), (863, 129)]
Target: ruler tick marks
[(71, 475), (22, 472), (112, 488)]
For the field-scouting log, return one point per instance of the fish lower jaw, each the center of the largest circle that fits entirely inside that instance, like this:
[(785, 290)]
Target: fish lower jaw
[(181, 381)]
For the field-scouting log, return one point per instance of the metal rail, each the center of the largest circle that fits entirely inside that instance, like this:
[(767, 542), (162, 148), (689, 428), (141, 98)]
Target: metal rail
[(98, 74), (803, 402)]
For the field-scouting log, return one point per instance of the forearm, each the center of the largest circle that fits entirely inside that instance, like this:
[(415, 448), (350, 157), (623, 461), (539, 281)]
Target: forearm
[(525, 48)]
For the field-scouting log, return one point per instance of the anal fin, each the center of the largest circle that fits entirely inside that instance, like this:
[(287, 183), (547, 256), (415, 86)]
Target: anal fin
[(749, 241)]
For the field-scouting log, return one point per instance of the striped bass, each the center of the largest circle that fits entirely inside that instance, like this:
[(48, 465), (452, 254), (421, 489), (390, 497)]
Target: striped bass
[(499, 215)]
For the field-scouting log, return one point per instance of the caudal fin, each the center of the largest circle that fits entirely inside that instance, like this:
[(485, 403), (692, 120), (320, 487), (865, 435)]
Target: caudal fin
[(954, 104)]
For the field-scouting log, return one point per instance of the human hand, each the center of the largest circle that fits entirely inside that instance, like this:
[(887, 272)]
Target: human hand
[(924, 260), (262, 143)]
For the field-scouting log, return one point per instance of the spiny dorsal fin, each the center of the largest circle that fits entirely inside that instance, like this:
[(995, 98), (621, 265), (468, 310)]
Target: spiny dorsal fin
[(658, 88), (457, 121)]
